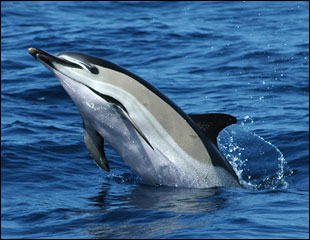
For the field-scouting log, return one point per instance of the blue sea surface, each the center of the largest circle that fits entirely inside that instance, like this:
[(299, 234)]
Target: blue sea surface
[(247, 59)]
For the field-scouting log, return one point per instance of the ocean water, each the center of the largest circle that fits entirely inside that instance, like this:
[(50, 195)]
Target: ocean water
[(247, 59)]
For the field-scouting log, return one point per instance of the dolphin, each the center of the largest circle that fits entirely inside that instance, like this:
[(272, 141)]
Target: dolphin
[(160, 142)]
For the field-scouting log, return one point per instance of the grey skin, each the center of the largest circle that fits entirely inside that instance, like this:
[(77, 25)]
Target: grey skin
[(161, 143)]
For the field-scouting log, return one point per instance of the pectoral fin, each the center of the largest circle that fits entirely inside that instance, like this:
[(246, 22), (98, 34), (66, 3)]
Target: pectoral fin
[(95, 145)]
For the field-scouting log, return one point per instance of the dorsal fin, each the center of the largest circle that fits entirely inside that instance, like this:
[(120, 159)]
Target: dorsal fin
[(212, 123)]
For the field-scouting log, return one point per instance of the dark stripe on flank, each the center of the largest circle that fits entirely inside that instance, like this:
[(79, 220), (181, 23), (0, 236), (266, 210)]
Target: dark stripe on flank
[(124, 111)]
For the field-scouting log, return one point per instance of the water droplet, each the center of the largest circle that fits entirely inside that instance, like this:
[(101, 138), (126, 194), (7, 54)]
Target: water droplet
[(91, 105)]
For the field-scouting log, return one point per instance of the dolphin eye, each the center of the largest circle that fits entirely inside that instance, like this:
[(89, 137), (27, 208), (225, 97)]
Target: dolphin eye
[(93, 70), (89, 67)]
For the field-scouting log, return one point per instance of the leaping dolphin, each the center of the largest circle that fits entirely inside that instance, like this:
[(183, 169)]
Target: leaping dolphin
[(161, 143)]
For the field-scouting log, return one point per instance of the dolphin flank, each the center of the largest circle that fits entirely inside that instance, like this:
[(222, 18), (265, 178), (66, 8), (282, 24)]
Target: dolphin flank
[(160, 142)]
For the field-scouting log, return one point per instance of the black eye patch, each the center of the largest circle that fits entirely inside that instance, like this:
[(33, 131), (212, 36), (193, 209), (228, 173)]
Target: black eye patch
[(93, 69)]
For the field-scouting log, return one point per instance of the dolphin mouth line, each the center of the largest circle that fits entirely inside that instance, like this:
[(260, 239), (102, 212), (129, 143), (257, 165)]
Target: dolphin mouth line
[(51, 59)]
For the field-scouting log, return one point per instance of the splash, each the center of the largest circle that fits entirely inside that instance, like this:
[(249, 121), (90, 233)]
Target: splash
[(258, 163)]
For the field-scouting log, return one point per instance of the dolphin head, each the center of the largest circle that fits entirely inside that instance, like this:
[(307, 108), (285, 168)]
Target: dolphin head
[(89, 71), (69, 63)]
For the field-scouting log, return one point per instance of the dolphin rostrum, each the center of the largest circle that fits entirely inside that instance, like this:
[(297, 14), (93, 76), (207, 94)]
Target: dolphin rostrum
[(161, 143)]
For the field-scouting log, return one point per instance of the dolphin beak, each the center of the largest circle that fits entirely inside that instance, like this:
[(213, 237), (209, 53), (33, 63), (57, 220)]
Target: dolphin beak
[(34, 52), (50, 60)]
